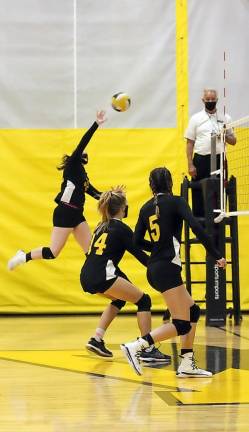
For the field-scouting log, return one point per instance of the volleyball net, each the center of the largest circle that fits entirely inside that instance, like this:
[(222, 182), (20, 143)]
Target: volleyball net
[(237, 157)]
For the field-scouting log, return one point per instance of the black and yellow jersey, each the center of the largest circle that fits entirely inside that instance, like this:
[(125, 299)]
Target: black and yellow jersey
[(165, 229), (75, 180), (107, 248)]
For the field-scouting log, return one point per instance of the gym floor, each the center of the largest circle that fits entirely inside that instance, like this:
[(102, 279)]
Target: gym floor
[(50, 382)]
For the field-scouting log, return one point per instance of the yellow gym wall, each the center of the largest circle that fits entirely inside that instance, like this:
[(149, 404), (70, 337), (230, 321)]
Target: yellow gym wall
[(29, 185), (30, 181)]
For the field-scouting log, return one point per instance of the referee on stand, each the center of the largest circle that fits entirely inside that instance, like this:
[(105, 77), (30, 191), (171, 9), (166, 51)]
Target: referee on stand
[(198, 135)]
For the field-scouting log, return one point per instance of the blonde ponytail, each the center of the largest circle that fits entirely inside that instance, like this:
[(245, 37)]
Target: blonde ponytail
[(110, 203)]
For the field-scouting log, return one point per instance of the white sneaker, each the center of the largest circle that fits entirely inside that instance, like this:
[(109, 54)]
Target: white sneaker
[(17, 259), (132, 351), (189, 369)]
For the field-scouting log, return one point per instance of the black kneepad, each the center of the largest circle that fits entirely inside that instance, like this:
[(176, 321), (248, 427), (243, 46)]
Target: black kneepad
[(47, 253), (194, 313), (144, 304), (182, 327), (118, 303)]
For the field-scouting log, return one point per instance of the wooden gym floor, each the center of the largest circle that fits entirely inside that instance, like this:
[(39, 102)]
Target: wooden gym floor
[(50, 383)]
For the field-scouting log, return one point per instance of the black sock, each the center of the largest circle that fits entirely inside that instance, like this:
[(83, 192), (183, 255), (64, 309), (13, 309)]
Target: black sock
[(148, 339), (28, 256), (187, 350)]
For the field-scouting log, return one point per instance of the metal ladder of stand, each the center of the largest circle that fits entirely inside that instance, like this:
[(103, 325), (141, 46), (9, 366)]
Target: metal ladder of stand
[(217, 304)]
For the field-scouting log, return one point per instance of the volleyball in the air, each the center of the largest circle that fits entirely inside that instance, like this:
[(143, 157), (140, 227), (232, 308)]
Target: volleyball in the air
[(121, 102)]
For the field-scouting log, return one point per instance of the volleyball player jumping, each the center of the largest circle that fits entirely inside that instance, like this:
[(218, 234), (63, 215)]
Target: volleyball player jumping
[(68, 215), (101, 275), (162, 216)]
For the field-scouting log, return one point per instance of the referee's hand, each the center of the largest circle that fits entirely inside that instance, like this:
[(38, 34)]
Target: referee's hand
[(192, 170)]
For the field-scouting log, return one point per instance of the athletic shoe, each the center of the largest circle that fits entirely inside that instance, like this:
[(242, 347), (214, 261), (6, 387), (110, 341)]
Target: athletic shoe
[(189, 369), (153, 355), (98, 348), (132, 352), (17, 259)]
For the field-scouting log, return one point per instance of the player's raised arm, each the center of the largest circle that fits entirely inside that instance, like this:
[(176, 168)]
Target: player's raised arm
[(100, 119)]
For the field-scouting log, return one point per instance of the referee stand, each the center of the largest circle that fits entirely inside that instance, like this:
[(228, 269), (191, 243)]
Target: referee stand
[(217, 304)]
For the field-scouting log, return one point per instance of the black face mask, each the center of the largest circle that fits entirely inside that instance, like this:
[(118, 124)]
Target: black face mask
[(211, 105), (84, 158), (126, 211)]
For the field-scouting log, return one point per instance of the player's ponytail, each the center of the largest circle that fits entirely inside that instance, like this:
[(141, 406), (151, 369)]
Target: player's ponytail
[(110, 203), (156, 207), (160, 182), (63, 163)]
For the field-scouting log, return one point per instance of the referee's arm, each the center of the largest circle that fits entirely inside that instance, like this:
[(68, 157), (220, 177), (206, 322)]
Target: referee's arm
[(190, 150)]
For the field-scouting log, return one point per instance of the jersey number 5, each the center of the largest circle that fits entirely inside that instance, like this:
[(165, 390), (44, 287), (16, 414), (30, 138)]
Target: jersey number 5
[(154, 228), (100, 244)]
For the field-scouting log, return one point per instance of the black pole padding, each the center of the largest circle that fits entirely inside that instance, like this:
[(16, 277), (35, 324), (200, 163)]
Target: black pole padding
[(215, 276), (232, 202)]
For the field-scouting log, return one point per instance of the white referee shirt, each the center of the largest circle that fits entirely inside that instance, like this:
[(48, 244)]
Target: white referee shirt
[(200, 127)]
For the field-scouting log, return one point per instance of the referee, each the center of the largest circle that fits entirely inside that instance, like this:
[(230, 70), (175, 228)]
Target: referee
[(198, 135)]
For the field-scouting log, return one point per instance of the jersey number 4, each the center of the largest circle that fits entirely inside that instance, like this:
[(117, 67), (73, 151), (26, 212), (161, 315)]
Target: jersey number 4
[(154, 228), (100, 244)]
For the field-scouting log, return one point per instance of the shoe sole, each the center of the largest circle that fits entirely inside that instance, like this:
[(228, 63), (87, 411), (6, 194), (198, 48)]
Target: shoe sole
[(11, 266), (185, 375), (128, 357), (97, 351), (152, 360)]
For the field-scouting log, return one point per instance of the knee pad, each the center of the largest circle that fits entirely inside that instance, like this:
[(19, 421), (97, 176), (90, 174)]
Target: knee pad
[(47, 253), (194, 313), (144, 304), (118, 303), (182, 327)]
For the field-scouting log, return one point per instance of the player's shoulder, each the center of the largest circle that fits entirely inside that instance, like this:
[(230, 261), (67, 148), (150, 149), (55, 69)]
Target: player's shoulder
[(177, 200), (119, 225), (147, 205)]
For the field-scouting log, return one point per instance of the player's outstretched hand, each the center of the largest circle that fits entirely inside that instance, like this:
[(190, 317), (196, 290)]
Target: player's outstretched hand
[(221, 263), (101, 117)]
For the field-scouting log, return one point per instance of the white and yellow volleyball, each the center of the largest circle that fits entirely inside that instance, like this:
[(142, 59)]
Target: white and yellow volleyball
[(121, 102)]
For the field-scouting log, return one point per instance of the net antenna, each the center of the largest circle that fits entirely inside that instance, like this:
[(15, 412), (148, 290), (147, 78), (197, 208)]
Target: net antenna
[(220, 136), (238, 166), (221, 139), (236, 158)]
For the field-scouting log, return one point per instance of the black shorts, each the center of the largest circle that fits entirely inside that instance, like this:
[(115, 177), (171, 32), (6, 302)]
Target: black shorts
[(67, 217), (163, 275), (100, 287)]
